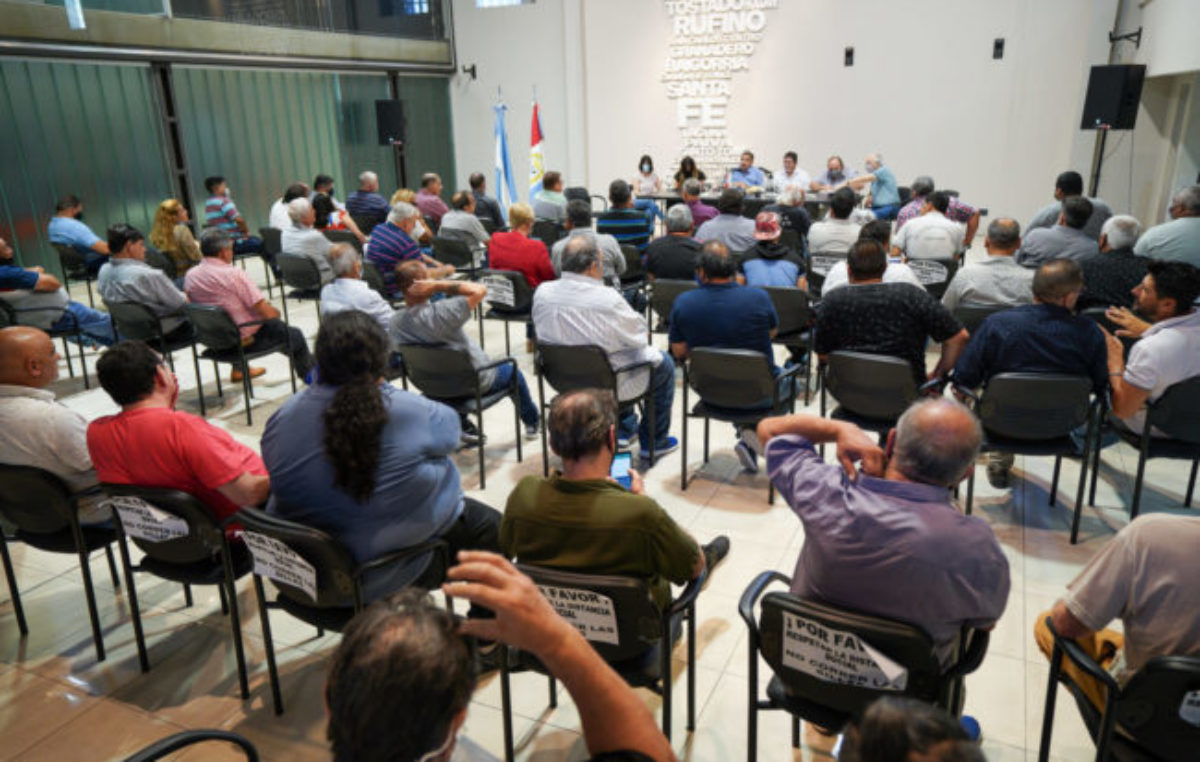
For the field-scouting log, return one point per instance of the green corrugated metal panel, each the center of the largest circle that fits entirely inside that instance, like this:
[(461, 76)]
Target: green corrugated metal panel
[(360, 138), (430, 132), (261, 130), (91, 130)]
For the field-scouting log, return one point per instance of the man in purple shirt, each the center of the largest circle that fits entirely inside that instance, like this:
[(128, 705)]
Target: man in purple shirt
[(701, 212), (886, 540), (429, 198)]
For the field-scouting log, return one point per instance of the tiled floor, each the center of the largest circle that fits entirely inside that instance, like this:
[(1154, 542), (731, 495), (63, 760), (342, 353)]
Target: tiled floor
[(57, 702)]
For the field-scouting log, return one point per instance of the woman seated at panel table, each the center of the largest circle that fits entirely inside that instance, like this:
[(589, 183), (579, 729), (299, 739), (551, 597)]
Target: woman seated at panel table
[(646, 183), (687, 171)]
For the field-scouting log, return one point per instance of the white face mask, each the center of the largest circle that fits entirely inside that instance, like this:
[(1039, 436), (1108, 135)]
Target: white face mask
[(646, 168), (418, 230)]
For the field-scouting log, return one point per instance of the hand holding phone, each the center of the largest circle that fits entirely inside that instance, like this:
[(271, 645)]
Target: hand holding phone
[(620, 470)]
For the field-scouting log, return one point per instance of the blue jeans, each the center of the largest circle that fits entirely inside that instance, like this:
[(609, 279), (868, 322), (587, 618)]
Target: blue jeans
[(662, 381), (529, 409), (649, 207), (886, 212), (96, 325)]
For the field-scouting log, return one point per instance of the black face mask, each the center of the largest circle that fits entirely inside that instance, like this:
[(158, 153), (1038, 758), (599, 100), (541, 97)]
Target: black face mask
[(79, 216), (836, 175)]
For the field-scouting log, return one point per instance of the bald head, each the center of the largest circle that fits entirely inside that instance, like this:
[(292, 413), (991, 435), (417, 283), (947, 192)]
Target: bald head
[(936, 441), (27, 357)]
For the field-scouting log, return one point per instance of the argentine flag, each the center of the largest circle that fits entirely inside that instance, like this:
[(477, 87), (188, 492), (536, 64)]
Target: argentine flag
[(537, 166), (506, 189)]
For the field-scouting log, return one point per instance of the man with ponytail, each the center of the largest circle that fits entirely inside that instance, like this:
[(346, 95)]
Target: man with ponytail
[(369, 463)]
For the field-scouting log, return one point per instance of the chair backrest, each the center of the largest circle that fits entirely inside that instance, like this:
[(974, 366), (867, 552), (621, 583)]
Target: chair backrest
[(489, 225), (214, 328), (567, 368), (307, 565), (508, 291), (934, 274), (344, 236), (844, 660), (873, 386), (816, 267), (169, 525), (663, 293), (35, 500), (615, 614), (790, 237), (74, 264), (160, 261), (1034, 406), (8, 315), (1099, 316), (172, 743), (793, 307), (272, 239), (365, 223), (440, 372), (547, 232), (135, 320), (299, 272), (1177, 412), (1160, 708), (374, 278), (633, 265), (905, 194), (430, 223), (730, 378), (972, 317), (452, 252)]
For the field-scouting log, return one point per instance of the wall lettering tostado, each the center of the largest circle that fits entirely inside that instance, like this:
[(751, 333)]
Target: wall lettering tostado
[(711, 40)]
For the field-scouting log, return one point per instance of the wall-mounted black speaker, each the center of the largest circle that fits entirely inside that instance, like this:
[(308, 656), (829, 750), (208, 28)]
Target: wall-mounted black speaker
[(389, 119), (998, 48), (1113, 95), (849, 56)]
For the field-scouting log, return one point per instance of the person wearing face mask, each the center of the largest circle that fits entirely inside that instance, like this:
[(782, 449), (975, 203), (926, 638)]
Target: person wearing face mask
[(67, 228), (884, 196), (395, 241), (646, 183), (834, 175), (220, 212)]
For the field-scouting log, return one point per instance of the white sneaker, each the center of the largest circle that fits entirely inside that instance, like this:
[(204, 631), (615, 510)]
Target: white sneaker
[(747, 457)]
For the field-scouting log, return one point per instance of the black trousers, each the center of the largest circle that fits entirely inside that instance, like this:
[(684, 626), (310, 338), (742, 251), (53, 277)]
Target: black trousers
[(276, 333), (478, 528)]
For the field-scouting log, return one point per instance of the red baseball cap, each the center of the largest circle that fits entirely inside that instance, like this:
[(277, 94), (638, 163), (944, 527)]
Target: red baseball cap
[(766, 226)]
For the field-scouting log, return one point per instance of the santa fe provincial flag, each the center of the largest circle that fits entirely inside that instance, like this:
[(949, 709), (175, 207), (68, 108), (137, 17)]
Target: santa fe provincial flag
[(537, 166)]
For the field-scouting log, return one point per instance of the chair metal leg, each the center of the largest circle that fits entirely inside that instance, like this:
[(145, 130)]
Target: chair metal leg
[(1083, 463), (795, 732), (89, 592), (87, 384), (1187, 501), (479, 415), (1054, 480), (13, 592), (970, 491), (112, 567), (507, 341), (516, 401), (224, 601), (665, 677), (1137, 484), (545, 425), (199, 381), (683, 438), (131, 588), (1051, 696), (187, 595), (691, 668), (752, 704), (67, 355), (235, 621), (268, 644), (217, 371), (706, 440), (506, 705), (91, 297), (267, 277), (553, 693)]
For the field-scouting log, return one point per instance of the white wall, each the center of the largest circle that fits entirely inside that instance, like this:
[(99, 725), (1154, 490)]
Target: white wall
[(924, 89)]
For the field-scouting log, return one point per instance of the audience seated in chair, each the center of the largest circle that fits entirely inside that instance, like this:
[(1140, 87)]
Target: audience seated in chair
[(171, 235), (581, 520), (1070, 185), (701, 319), (349, 291), (151, 444), (514, 249), (423, 321), (1146, 577), (836, 233), (1110, 276), (550, 203), (893, 319), (579, 225), (768, 262), (366, 201), (429, 198), (369, 463), (997, 280), (623, 221), (34, 429), (1178, 239), (43, 303), (1043, 337), (403, 674), (729, 226), (579, 309), (217, 282), (395, 241), (885, 539), (896, 271), (689, 191), (301, 238), (127, 278), (221, 213), (791, 211), (1066, 239), (67, 228), (883, 198), (908, 730), (956, 210), (674, 255), (1169, 348), (278, 217), (932, 235), (461, 224), (486, 207)]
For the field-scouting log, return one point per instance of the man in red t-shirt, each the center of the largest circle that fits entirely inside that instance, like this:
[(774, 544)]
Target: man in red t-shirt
[(515, 250), (150, 444)]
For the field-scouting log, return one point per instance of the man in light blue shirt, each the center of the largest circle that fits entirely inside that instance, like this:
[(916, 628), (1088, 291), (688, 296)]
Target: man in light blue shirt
[(1179, 239), (884, 197), (746, 175), (729, 226), (67, 228)]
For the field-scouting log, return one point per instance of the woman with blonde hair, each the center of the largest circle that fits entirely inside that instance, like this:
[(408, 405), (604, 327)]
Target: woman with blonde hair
[(171, 235)]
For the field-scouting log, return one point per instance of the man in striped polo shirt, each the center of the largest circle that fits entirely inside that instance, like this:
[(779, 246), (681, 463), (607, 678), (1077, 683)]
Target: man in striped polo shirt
[(220, 212), (392, 243)]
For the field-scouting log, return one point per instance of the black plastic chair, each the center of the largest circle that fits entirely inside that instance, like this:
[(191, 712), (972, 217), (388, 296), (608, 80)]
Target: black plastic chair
[(663, 293), (134, 320), (446, 374), (1147, 710), (272, 246), (731, 385), (872, 391), (1177, 415), (336, 579), (489, 225), (935, 274), (905, 194), (217, 331), (344, 236), (972, 316), (1035, 414), (791, 238), (797, 325), (632, 635), (74, 267), (10, 315), (634, 276), (547, 232), (509, 298), (300, 273), (172, 743), (365, 223), (801, 642), (450, 251), (430, 224), (374, 279), (46, 515), (188, 546), (162, 263), (816, 267), (567, 368)]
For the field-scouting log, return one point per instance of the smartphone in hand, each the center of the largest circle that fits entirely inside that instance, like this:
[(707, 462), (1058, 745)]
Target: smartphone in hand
[(620, 469)]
